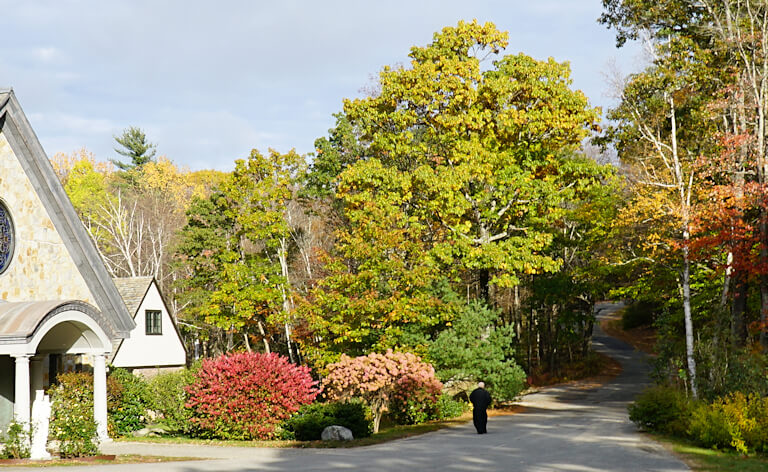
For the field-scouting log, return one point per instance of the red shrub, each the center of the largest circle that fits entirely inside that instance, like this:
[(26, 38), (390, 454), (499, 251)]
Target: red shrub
[(244, 396)]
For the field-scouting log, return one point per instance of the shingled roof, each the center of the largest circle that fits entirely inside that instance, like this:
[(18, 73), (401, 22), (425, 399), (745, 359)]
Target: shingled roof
[(31, 156), (133, 290)]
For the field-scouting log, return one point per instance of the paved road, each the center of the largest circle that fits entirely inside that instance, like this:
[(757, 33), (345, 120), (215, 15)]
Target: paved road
[(569, 429)]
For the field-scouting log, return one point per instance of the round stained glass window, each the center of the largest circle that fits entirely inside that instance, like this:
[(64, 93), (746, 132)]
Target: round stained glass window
[(6, 238)]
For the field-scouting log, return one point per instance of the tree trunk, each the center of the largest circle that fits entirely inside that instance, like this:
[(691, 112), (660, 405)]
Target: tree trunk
[(485, 286), (264, 338), (688, 318), (230, 341), (763, 277)]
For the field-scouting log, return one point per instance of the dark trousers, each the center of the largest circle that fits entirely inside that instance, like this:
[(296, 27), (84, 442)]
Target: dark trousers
[(480, 419)]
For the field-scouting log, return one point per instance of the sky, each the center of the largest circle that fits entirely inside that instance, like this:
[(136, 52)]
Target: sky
[(209, 81)]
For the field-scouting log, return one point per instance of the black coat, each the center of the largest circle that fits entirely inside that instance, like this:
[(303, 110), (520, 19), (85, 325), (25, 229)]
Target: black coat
[(480, 399)]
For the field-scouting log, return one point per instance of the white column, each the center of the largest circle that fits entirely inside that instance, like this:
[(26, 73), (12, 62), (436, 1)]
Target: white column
[(41, 411), (100, 395), (21, 406), (36, 379)]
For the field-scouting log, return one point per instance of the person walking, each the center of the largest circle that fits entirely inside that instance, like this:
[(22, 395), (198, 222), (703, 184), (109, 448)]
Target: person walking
[(480, 399)]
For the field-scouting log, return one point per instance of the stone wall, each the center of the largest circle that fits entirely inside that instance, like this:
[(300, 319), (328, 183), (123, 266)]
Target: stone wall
[(41, 268)]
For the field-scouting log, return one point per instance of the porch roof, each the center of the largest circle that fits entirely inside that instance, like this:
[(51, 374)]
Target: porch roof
[(20, 320)]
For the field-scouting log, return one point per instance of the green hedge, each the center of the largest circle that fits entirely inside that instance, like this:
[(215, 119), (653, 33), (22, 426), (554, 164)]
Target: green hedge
[(169, 397), (309, 422)]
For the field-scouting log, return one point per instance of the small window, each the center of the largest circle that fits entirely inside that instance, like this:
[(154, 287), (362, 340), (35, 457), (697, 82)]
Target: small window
[(154, 322)]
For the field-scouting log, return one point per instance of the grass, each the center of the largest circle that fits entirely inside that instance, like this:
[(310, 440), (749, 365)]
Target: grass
[(385, 434), (121, 459), (701, 459)]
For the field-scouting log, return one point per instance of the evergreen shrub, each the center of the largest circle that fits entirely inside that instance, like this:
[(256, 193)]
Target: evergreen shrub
[(310, 421), (479, 346), (128, 402), (661, 409), (449, 407), (247, 395)]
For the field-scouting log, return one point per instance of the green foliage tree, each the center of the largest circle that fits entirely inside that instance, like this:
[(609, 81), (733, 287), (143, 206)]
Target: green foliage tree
[(236, 246), (381, 286), (455, 173), (479, 145)]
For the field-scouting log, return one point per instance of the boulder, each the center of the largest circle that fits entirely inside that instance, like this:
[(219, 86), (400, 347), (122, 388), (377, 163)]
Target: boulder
[(336, 433)]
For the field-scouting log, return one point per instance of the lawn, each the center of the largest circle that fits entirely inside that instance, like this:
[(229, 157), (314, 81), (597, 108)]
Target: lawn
[(385, 434), (708, 460)]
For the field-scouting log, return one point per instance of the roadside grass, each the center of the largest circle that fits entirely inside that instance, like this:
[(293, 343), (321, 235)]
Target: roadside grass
[(385, 434), (701, 459), (120, 459)]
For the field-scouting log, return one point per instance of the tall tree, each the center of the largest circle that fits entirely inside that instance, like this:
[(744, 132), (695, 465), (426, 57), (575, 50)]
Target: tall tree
[(133, 145), (480, 143), (451, 177)]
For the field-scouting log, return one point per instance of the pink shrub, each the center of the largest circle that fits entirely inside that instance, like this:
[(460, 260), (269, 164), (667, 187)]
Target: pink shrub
[(244, 396), (380, 379)]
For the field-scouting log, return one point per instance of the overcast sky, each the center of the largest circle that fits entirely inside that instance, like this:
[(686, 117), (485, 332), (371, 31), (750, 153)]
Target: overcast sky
[(208, 81)]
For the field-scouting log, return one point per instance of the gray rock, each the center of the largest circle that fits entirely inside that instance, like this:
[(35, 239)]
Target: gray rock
[(336, 433), (151, 432)]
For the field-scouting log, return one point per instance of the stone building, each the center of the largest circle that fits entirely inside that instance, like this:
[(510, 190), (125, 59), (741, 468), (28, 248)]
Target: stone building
[(56, 296)]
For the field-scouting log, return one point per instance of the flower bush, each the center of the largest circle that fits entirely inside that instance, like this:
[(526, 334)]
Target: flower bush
[(384, 380), (247, 395), (72, 423)]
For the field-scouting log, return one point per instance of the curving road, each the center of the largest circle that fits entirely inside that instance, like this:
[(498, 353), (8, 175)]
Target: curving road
[(566, 428)]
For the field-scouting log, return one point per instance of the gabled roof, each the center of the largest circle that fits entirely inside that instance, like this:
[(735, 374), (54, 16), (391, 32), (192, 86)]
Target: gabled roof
[(133, 290), (32, 157)]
